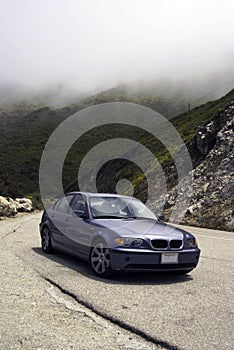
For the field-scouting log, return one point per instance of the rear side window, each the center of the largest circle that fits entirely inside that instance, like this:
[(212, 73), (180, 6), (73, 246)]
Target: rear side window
[(63, 205)]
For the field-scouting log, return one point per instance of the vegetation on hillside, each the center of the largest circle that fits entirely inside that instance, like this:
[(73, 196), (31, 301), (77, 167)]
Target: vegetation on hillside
[(24, 137)]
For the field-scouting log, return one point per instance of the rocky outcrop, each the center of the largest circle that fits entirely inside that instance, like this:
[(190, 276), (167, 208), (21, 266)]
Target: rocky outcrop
[(205, 138), (23, 204), (7, 207), (212, 196), (206, 135), (10, 207)]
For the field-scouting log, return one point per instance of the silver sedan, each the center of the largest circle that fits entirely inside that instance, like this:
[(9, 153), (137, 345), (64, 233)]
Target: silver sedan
[(116, 233)]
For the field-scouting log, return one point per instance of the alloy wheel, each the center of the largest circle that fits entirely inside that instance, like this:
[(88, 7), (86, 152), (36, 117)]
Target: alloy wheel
[(100, 260)]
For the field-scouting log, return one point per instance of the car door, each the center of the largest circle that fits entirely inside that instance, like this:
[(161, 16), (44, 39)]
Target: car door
[(79, 229), (59, 217)]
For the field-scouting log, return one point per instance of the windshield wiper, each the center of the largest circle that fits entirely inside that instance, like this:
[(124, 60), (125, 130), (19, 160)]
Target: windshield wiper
[(107, 217), (128, 217), (138, 218)]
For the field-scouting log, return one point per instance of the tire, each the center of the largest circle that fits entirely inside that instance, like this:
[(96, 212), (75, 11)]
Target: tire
[(46, 244), (99, 259)]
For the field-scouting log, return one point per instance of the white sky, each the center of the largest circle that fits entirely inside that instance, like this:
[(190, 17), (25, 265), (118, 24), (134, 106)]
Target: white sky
[(94, 43)]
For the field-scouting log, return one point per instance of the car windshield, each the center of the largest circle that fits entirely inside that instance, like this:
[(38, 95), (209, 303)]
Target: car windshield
[(119, 208)]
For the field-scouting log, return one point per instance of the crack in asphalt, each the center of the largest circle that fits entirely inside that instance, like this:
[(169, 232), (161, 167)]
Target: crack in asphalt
[(114, 320), (10, 232)]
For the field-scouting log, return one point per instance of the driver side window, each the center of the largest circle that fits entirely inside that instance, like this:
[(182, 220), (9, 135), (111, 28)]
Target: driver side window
[(79, 204)]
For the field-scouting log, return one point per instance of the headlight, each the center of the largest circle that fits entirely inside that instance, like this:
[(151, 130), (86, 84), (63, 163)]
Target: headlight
[(130, 242), (191, 243)]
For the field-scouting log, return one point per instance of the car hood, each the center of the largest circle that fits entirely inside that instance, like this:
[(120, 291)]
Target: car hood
[(141, 228)]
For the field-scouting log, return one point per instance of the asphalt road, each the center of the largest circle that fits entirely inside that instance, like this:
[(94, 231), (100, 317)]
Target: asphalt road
[(54, 301)]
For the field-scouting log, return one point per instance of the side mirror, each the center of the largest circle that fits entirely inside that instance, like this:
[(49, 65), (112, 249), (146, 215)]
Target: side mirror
[(80, 214), (161, 217)]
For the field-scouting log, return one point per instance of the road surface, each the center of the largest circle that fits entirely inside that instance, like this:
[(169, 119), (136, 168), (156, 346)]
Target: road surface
[(55, 302)]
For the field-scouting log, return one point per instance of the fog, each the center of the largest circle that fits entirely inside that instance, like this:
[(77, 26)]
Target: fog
[(87, 45)]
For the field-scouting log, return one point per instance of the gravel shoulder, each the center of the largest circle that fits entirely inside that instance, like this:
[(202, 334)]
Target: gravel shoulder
[(36, 315), (55, 302)]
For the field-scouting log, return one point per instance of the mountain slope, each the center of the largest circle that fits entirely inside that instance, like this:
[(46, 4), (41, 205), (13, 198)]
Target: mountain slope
[(25, 129), (24, 138), (212, 197)]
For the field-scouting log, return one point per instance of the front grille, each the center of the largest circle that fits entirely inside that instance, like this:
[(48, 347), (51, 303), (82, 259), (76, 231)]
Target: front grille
[(164, 244), (159, 243), (176, 243)]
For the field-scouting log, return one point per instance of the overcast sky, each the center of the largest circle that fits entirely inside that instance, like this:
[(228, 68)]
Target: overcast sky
[(102, 43)]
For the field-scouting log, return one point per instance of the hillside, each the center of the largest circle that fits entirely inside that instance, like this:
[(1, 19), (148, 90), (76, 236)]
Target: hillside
[(24, 137), (25, 129), (168, 104), (212, 196)]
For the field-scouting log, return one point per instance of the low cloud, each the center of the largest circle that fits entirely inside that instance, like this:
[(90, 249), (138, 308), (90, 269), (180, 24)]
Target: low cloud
[(93, 45)]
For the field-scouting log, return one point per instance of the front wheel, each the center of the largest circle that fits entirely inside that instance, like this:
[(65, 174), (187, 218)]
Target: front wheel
[(99, 259), (46, 240)]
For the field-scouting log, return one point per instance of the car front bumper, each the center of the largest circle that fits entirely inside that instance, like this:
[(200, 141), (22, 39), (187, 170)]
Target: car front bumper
[(133, 259)]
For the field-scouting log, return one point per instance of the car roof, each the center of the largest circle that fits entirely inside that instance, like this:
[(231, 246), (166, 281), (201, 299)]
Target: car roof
[(89, 194)]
